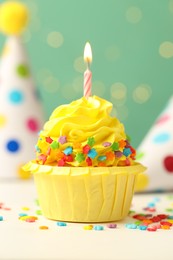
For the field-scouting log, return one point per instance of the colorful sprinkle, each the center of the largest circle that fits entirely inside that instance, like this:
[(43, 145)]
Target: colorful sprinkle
[(131, 226), (38, 212), (127, 151), (68, 150), (89, 161), (25, 208), (62, 139), (142, 227), (86, 149), (88, 227), (92, 153), (54, 145), (1, 218), (115, 146), (106, 144), (98, 227), (61, 224), (91, 141), (80, 157), (43, 227), (102, 158), (112, 225), (49, 140)]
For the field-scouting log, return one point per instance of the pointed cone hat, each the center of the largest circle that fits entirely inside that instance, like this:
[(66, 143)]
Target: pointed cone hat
[(156, 153), (21, 115)]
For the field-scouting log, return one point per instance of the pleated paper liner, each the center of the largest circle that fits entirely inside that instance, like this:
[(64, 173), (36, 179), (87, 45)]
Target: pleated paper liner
[(85, 194)]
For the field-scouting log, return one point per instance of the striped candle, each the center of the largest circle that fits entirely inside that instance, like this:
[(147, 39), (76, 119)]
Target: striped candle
[(87, 83), (87, 73)]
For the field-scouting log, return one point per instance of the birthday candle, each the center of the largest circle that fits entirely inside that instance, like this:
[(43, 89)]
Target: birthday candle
[(87, 73)]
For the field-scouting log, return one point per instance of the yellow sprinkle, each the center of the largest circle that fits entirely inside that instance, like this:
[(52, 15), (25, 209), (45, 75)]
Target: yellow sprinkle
[(25, 208), (43, 227), (170, 221), (23, 218), (88, 227)]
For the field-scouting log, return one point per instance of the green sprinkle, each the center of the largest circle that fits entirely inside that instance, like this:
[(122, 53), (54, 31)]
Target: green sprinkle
[(38, 212), (54, 145), (115, 146), (139, 155), (137, 223), (80, 157), (91, 141), (169, 210)]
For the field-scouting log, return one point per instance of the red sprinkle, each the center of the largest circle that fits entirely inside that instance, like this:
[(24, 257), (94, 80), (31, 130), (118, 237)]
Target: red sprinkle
[(152, 228), (61, 162), (165, 223), (86, 149), (89, 161), (49, 140)]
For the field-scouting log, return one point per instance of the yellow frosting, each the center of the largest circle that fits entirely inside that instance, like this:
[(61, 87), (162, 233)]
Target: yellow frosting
[(78, 121)]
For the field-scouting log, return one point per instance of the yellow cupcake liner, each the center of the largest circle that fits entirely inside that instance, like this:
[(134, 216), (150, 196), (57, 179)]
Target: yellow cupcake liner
[(85, 194)]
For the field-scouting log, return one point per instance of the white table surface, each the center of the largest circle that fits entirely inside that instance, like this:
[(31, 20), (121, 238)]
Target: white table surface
[(22, 240)]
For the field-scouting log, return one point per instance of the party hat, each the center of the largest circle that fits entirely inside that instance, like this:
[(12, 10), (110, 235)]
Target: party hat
[(21, 115), (156, 153)]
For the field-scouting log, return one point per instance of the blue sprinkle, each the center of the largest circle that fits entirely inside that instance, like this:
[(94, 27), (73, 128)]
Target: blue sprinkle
[(131, 226), (61, 224), (127, 151), (37, 149), (68, 150), (92, 153), (102, 158), (23, 214), (1, 218), (151, 205), (142, 227), (98, 227)]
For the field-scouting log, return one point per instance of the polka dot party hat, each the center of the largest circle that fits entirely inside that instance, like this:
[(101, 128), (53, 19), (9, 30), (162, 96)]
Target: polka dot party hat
[(21, 114), (156, 153)]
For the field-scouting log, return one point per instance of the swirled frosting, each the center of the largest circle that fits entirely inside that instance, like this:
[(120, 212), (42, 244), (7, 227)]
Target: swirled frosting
[(83, 133)]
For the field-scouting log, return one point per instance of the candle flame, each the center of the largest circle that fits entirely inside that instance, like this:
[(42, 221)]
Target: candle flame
[(87, 53)]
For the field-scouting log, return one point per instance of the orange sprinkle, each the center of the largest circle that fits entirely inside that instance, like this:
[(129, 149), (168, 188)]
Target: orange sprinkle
[(165, 227), (147, 221), (43, 227), (122, 143), (101, 164), (110, 156), (60, 155)]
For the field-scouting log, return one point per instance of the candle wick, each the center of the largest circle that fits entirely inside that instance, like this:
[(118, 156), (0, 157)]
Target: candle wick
[(88, 65)]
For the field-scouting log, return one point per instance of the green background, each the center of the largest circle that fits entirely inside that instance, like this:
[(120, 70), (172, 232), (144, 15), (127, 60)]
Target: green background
[(132, 45)]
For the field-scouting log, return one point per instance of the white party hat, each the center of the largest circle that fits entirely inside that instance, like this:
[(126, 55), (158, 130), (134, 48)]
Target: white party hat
[(156, 153), (21, 115)]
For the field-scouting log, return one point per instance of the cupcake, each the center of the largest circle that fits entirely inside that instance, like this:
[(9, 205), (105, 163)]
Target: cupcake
[(85, 169)]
